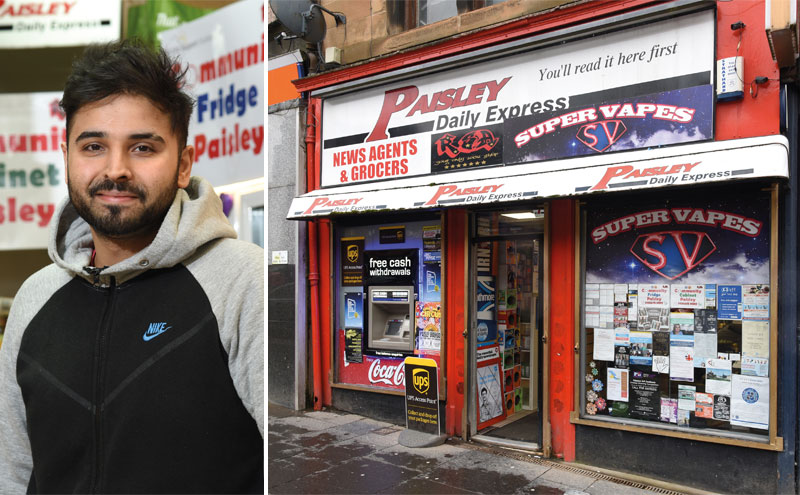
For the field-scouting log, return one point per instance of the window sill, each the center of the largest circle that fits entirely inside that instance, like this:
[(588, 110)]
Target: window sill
[(776, 445)]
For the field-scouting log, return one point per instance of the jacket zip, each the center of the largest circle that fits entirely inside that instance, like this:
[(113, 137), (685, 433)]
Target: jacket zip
[(99, 389)]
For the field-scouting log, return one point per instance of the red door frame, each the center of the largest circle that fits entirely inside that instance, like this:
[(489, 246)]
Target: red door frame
[(561, 372), (456, 256)]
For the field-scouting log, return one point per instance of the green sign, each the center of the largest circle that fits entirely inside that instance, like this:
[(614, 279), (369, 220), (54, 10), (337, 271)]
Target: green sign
[(146, 21)]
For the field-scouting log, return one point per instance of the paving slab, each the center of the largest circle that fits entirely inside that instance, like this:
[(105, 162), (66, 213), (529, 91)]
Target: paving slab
[(424, 486), (339, 451), (479, 480), (282, 449), (409, 460), (605, 487), (309, 424), (545, 489), (354, 476), (444, 451), (334, 419), (294, 469), (568, 478), (381, 441), (362, 427)]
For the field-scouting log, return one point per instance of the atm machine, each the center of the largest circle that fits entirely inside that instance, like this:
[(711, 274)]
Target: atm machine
[(391, 318)]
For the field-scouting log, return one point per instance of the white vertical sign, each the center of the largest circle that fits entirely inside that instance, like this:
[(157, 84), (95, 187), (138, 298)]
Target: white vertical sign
[(32, 129), (224, 52)]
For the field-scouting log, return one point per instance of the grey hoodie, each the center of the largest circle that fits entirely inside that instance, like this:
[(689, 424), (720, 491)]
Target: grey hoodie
[(195, 235)]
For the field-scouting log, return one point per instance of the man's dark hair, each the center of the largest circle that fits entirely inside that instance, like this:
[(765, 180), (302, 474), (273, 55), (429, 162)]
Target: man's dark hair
[(133, 68)]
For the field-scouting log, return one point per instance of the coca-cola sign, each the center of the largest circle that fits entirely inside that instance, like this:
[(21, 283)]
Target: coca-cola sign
[(389, 374), (380, 372)]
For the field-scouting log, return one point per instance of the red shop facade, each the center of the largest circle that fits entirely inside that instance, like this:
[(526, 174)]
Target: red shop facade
[(589, 232)]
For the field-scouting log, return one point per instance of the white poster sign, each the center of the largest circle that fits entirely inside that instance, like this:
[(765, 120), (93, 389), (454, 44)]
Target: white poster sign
[(755, 366), (755, 338), (654, 296), (750, 401), (603, 344), (32, 129), (681, 358), (417, 126), (617, 384), (25, 24), (718, 376), (688, 296), (224, 52), (755, 302)]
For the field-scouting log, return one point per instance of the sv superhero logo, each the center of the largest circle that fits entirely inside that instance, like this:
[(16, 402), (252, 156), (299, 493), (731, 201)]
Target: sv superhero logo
[(601, 135), (673, 253)]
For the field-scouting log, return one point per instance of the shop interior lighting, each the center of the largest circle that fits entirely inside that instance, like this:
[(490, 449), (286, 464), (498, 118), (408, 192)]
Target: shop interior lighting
[(242, 188), (524, 215)]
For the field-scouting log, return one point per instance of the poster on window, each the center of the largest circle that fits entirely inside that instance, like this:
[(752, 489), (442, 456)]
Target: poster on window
[(645, 398), (750, 401), (755, 302), (729, 302), (490, 392), (701, 267), (429, 334), (713, 240), (352, 261)]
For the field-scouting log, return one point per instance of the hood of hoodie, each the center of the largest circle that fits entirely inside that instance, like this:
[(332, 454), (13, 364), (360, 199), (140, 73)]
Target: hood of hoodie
[(194, 219)]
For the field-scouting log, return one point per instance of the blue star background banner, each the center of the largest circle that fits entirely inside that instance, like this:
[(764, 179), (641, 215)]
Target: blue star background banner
[(609, 125), (689, 239)]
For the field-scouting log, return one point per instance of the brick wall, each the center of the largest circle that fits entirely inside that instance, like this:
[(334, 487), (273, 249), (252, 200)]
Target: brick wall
[(374, 27)]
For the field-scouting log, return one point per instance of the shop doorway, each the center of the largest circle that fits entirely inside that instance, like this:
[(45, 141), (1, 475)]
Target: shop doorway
[(506, 322)]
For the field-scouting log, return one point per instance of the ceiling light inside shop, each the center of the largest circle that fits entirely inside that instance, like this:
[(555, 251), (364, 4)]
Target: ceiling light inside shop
[(524, 215), (245, 187)]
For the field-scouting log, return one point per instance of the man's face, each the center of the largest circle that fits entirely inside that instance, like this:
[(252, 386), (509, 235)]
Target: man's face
[(483, 395), (124, 166)]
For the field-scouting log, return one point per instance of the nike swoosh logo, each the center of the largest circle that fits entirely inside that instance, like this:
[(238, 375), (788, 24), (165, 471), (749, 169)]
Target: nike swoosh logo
[(148, 338)]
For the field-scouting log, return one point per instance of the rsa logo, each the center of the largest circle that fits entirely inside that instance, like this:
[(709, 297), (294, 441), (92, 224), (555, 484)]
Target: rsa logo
[(421, 380), (479, 139), (673, 253)]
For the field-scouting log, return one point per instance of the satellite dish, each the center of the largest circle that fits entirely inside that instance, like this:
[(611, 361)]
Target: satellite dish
[(303, 18)]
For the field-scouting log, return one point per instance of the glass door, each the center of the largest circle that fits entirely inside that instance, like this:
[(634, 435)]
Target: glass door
[(506, 318)]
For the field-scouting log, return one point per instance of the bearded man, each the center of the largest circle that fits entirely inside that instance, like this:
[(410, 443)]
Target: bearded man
[(134, 363)]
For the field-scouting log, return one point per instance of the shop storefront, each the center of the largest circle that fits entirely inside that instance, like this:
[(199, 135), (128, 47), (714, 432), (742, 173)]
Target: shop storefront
[(585, 240)]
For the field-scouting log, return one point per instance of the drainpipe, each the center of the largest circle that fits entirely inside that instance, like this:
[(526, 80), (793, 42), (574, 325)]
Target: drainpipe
[(313, 262)]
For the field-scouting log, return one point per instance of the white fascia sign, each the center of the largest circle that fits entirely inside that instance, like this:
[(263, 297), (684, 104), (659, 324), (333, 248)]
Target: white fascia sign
[(25, 24), (640, 87)]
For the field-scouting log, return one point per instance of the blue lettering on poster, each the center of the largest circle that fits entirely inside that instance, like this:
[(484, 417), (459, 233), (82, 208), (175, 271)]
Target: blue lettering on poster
[(431, 256), (729, 302)]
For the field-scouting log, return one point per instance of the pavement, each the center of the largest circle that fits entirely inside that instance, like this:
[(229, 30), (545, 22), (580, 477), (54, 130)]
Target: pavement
[(331, 451)]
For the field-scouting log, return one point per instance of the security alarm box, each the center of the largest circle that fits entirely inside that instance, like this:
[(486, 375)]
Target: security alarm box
[(391, 318)]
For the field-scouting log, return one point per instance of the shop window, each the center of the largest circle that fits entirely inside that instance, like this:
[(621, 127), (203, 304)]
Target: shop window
[(389, 293), (409, 14), (677, 314)]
